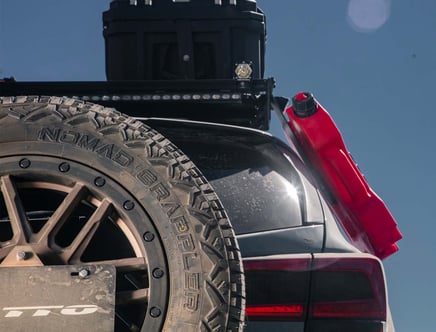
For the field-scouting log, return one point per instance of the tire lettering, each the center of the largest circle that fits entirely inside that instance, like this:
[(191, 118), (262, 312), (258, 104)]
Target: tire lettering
[(122, 158), (69, 137), (87, 142), (191, 301), (47, 134), (105, 150), (170, 208), (192, 281), (186, 243), (189, 260), (146, 177), (180, 224), (160, 191)]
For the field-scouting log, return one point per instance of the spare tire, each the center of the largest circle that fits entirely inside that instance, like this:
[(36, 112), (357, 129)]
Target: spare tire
[(81, 184)]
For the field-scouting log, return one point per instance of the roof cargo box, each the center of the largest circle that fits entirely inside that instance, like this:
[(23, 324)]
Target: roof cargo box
[(183, 39)]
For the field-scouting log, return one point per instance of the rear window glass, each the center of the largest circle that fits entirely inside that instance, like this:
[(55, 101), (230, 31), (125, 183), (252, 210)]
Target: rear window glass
[(259, 188)]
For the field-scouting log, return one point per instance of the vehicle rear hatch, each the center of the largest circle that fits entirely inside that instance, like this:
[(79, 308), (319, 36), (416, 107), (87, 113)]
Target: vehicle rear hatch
[(284, 230)]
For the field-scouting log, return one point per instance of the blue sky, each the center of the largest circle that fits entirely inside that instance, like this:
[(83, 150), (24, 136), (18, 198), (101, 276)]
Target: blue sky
[(372, 67)]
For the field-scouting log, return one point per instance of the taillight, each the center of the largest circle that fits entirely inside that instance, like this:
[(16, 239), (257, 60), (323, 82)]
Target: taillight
[(278, 288), (276, 311), (351, 288), (324, 287)]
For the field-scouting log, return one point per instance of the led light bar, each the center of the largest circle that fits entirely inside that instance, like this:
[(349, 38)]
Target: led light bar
[(229, 101), (164, 97)]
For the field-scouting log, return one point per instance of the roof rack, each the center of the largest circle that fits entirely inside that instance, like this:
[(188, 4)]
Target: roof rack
[(243, 103)]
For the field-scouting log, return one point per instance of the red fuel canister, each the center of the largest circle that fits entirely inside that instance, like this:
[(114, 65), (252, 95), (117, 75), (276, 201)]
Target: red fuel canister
[(363, 215)]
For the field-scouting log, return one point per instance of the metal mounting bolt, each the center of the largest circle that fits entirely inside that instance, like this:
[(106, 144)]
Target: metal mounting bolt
[(148, 237), (158, 273), (24, 163), (128, 205), (99, 181), (64, 167), (21, 255), (155, 312), (83, 273)]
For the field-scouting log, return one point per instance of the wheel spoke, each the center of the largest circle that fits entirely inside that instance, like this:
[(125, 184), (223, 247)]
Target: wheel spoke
[(135, 296), (62, 213), (126, 322), (17, 215), (4, 251), (75, 250)]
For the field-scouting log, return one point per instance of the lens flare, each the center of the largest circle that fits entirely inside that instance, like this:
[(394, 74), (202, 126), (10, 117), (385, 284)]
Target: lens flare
[(368, 15)]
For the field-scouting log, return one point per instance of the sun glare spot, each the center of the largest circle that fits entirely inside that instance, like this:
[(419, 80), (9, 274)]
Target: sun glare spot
[(368, 15), (291, 192)]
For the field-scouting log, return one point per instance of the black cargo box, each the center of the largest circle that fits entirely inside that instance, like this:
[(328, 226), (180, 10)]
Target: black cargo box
[(182, 39)]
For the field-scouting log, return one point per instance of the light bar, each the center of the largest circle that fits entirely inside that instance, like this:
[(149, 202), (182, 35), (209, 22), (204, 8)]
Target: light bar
[(164, 97)]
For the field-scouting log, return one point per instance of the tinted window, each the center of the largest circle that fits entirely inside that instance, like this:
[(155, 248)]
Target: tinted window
[(258, 187), (252, 172)]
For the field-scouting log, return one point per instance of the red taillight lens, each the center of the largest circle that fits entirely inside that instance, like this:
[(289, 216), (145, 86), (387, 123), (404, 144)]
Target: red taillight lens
[(278, 289), (276, 311), (348, 288), (351, 309), (306, 288)]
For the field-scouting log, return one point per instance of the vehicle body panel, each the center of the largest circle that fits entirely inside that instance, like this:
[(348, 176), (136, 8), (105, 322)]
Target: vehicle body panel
[(317, 235)]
